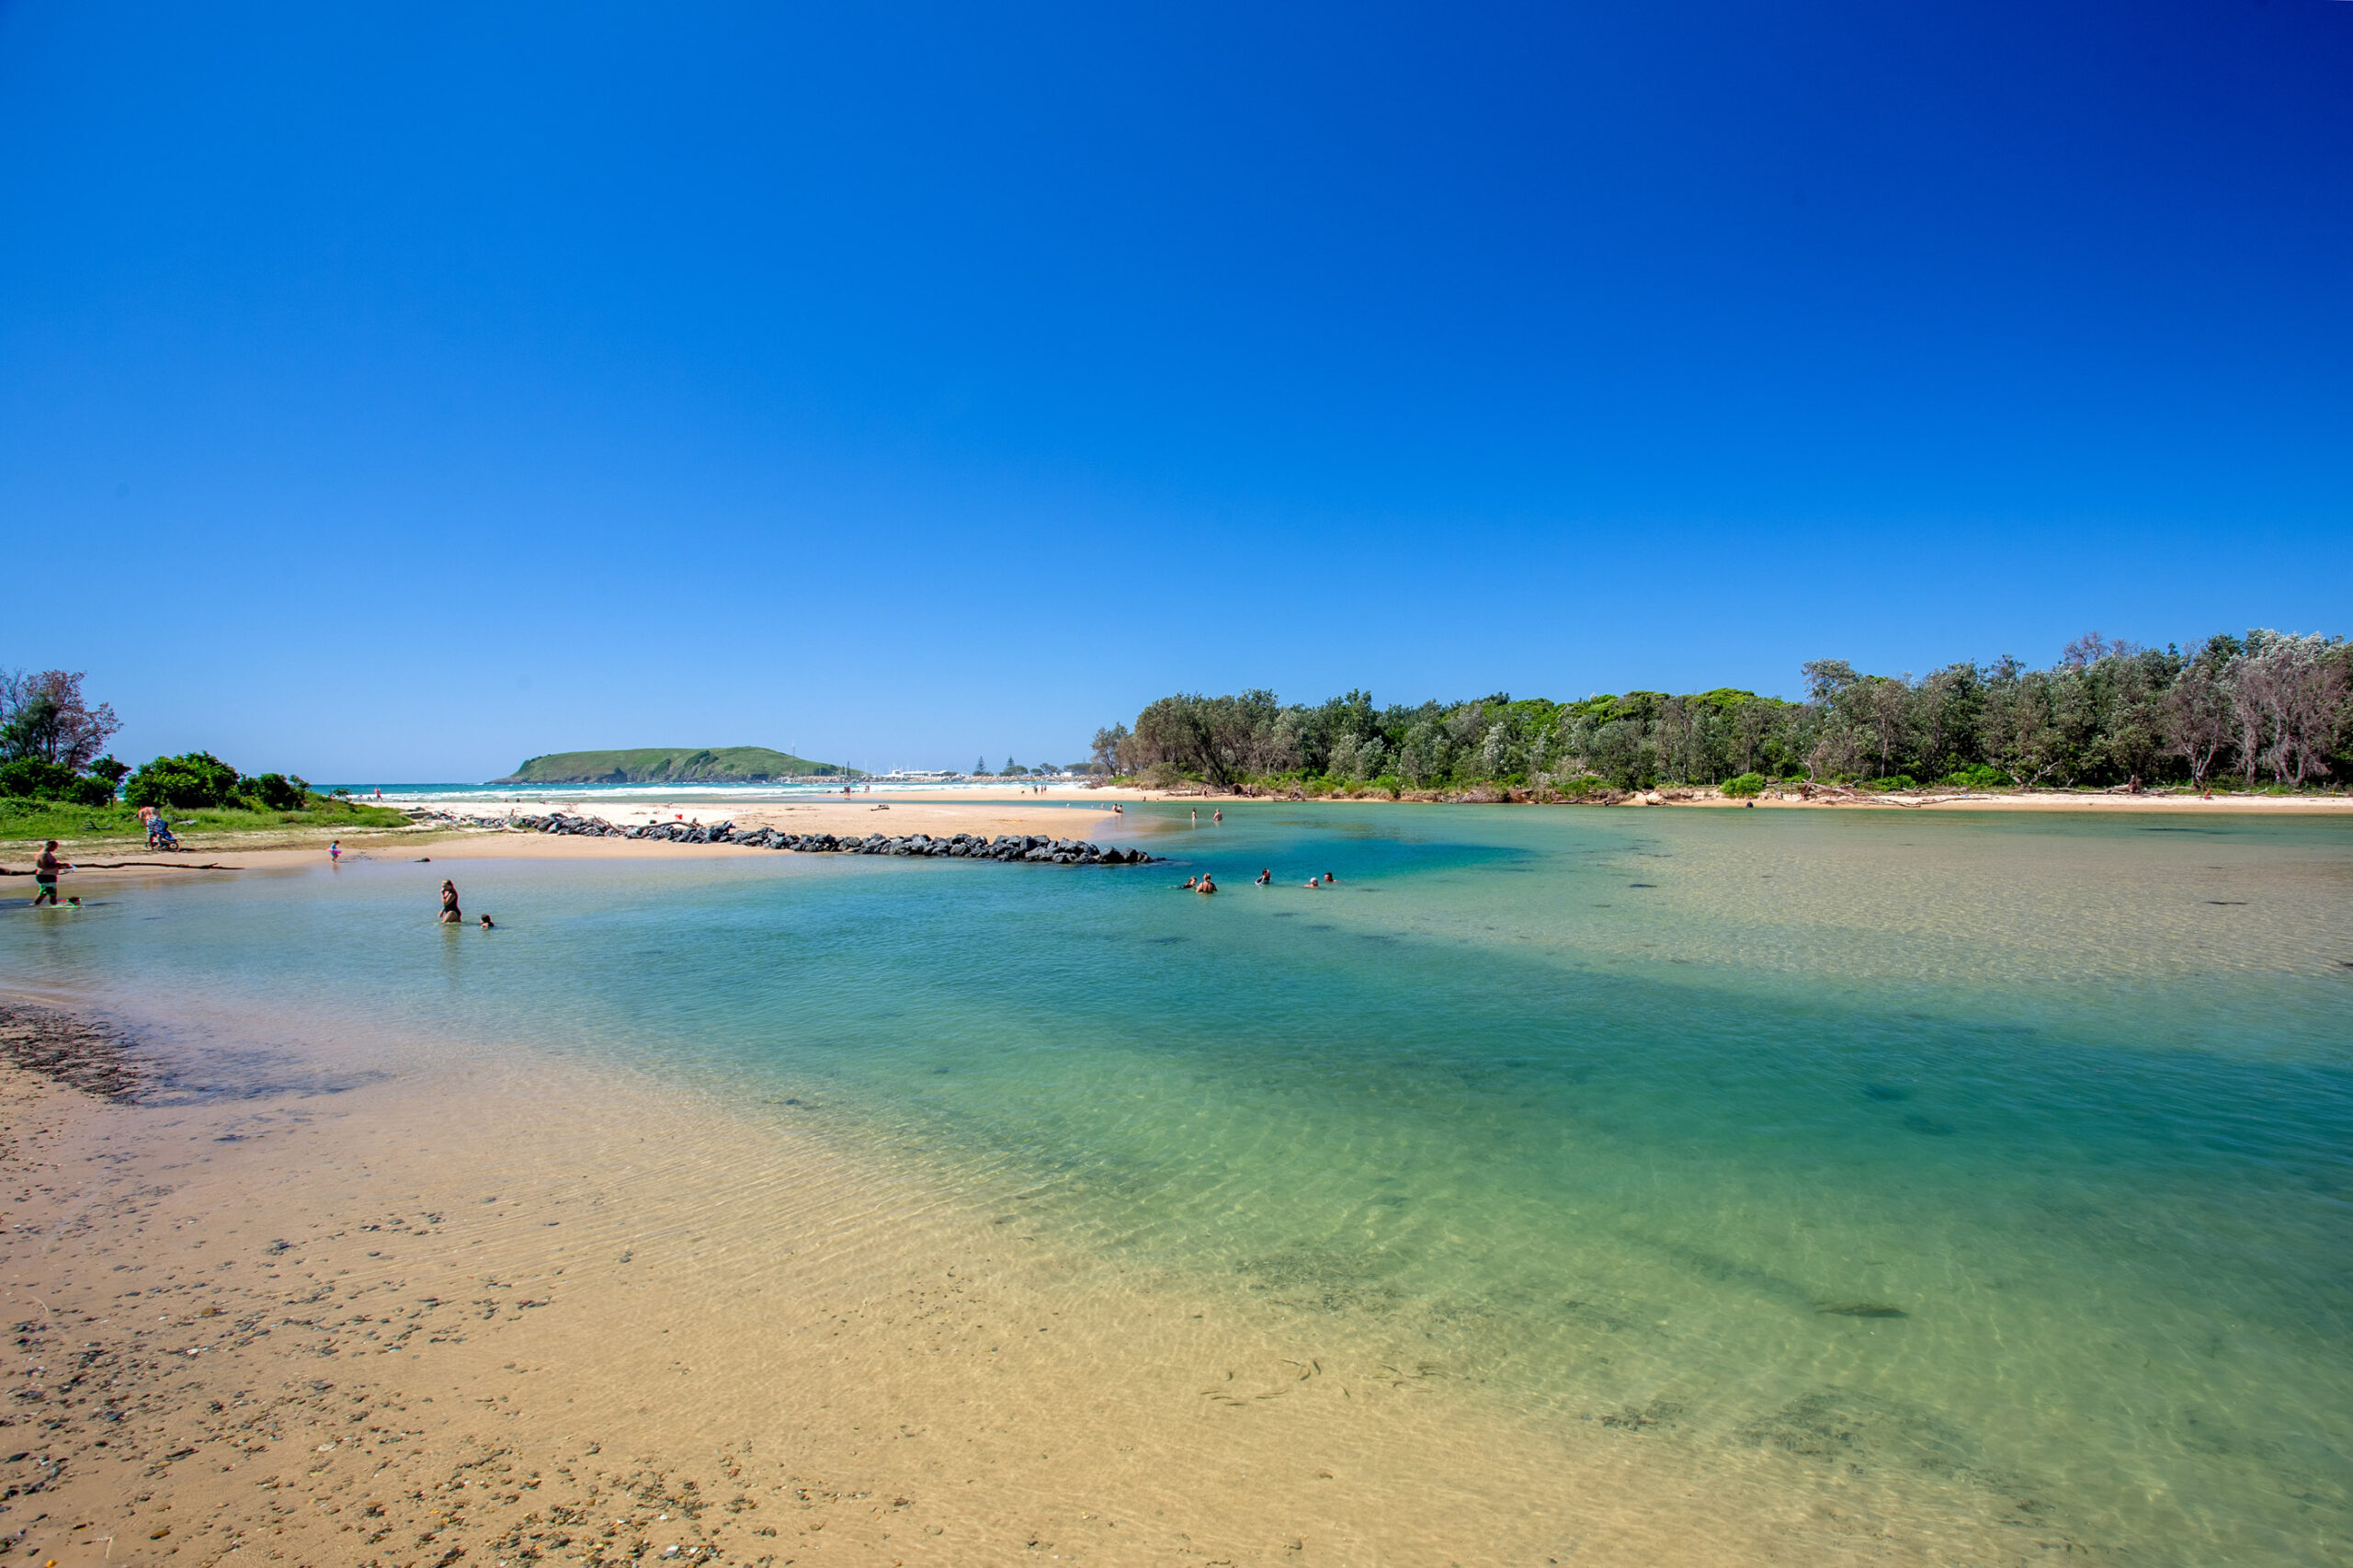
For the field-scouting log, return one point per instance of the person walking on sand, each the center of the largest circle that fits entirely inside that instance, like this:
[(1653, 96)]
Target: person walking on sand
[(46, 866), (334, 851), (450, 915)]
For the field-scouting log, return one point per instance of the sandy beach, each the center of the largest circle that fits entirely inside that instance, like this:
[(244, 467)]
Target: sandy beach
[(515, 1312)]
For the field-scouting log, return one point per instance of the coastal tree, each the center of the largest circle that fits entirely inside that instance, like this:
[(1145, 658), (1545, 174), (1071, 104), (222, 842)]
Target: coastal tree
[(43, 715), (2106, 712), (2196, 715), (1105, 749)]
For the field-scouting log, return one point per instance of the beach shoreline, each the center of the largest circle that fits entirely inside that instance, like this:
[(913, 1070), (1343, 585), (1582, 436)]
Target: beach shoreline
[(1080, 812), (639, 1323)]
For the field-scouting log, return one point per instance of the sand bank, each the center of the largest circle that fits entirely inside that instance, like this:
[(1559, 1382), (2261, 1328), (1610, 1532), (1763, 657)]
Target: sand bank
[(509, 1310), (442, 842)]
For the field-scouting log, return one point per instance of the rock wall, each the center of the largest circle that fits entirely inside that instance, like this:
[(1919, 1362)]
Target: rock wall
[(1031, 847)]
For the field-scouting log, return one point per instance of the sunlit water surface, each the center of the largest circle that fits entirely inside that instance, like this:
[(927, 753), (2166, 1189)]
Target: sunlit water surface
[(2004, 1156)]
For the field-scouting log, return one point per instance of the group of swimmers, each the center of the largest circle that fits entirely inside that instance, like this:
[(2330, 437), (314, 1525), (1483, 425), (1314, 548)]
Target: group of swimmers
[(451, 915), (1264, 879)]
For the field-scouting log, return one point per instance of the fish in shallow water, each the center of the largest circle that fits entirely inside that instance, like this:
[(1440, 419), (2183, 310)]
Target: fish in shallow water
[(1862, 1310)]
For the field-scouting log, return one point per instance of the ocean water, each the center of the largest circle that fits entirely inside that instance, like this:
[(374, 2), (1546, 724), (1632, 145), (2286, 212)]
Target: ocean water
[(2002, 1159)]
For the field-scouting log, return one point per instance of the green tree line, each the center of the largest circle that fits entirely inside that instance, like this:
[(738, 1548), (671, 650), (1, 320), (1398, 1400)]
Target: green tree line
[(2268, 707), (51, 738)]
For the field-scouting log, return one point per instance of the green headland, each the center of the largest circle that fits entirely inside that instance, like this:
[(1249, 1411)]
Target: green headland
[(671, 765)]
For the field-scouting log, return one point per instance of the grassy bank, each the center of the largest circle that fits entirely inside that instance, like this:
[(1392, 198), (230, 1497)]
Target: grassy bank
[(25, 824)]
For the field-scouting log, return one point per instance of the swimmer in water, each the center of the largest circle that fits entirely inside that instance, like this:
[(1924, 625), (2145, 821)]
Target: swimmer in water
[(1207, 886), (488, 925), (1328, 879), (450, 911), (1312, 883), (1218, 815), (1189, 881), (1264, 879)]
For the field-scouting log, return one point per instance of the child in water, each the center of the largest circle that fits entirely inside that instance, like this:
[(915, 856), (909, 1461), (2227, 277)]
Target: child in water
[(487, 924)]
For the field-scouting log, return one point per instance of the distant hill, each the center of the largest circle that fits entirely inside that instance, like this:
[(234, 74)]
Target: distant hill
[(672, 765)]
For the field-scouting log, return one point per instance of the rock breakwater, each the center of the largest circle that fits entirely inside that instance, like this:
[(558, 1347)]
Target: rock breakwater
[(1034, 848)]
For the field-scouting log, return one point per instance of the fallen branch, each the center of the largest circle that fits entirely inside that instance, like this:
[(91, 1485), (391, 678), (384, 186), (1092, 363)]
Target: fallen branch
[(117, 864)]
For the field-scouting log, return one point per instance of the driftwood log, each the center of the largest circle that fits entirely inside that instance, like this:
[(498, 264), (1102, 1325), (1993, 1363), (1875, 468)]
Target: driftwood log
[(119, 865)]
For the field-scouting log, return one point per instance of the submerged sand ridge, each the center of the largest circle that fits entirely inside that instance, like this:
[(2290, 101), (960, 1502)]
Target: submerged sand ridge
[(517, 1311)]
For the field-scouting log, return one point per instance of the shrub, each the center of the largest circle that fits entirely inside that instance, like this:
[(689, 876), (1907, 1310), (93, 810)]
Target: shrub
[(1746, 785), (279, 793), (192, 779), (1894, 781), (1977, 776), (31, 778)]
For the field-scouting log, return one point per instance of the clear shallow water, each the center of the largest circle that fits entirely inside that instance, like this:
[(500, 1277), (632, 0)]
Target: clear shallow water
[(2004, 1159)]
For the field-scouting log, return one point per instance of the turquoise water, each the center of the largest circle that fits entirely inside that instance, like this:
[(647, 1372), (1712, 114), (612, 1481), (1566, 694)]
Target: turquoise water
[(2000, 1158)]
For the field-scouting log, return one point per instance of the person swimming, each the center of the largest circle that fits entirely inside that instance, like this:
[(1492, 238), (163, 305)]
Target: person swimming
[(1189, 881), (488, 925), (1207, 886), (1328, 879), (1312, 883), (1264, 879), (1218, 815)]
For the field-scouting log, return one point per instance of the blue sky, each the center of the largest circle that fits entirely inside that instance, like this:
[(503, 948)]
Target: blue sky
[(393, 393)]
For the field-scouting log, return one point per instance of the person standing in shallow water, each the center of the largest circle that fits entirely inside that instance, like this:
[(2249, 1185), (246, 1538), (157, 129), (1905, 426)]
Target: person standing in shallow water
[(449, 913), (45, 868)]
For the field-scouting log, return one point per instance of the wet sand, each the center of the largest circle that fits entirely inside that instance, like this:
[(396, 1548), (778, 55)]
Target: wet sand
[(517, 1309)]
